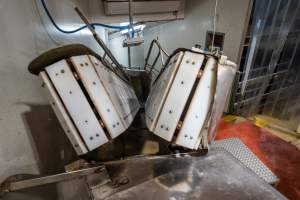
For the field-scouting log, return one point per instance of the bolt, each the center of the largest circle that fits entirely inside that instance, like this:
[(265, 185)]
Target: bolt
[(86, 64), (76, 145), (167, 128), (186, 136), (94, 83), (97, 135), (191, 137), (86, 121), (108, 110), (187, 61), (182, 82), (62, 71), (193, 63), (170, 111), (114, 126), (91, 138), (81, 65), (161, 126), (56, 74), (118, 123), (70, 92)]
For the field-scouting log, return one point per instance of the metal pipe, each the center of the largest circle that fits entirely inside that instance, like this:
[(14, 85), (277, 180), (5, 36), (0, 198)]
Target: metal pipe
[(214, 31), (130, 28), (161, 50), (98, 39), (129, 57), (22, 184), (130, 13)]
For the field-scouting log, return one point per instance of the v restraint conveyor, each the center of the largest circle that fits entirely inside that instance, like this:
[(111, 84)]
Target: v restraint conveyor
[(95, 102)]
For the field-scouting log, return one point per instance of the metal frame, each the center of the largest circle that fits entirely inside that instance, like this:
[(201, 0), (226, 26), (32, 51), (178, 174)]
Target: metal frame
[(151, 67), (263, 88)]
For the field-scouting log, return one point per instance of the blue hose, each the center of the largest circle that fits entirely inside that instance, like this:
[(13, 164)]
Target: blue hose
[(80, 28)]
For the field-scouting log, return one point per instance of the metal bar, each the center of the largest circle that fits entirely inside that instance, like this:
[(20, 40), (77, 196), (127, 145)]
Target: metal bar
[(155, 61), (130, 12), (266, 94), (214, 26), (131, 27), (129, 57), (19, 185), (160, 53), (262, 77), (255, 89), (98, 39), (162, 58)]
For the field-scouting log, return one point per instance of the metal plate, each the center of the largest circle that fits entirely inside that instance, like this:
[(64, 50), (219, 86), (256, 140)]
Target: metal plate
[(178, 95), (218, 175), (199, 109), (159, 92), (98, 95), (121, 94), (241, 152), (226, 74), (76, 104), (62, 115)]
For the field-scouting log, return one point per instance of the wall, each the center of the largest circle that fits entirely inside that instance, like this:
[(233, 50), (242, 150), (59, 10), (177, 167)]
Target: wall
[(22, 38), (199, 15), (115, 43)]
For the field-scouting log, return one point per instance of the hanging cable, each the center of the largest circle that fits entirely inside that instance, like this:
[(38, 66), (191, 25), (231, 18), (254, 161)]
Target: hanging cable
[(39, 14), (214, 31), (80, 28)]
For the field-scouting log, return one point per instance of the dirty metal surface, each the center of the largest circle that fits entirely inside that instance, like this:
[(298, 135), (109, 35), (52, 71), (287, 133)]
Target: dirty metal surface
[(217, 175)]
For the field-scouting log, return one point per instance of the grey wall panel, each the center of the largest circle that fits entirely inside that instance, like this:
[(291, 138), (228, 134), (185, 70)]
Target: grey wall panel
[(198, 19)]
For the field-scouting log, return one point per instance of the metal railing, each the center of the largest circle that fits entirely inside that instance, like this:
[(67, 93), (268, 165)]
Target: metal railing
[(150, 68)]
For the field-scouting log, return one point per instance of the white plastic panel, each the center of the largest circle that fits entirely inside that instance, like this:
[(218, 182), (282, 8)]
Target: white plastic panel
[(121, 93), (98, 95), (159, 92), (62, 115), (76, 104), (199, 108), (178, 95)]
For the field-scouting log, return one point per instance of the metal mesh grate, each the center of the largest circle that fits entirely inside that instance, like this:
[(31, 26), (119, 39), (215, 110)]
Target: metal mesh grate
[(241, 152)]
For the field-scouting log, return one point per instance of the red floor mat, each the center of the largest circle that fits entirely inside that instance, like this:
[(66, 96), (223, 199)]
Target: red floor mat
[(281, 157)]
